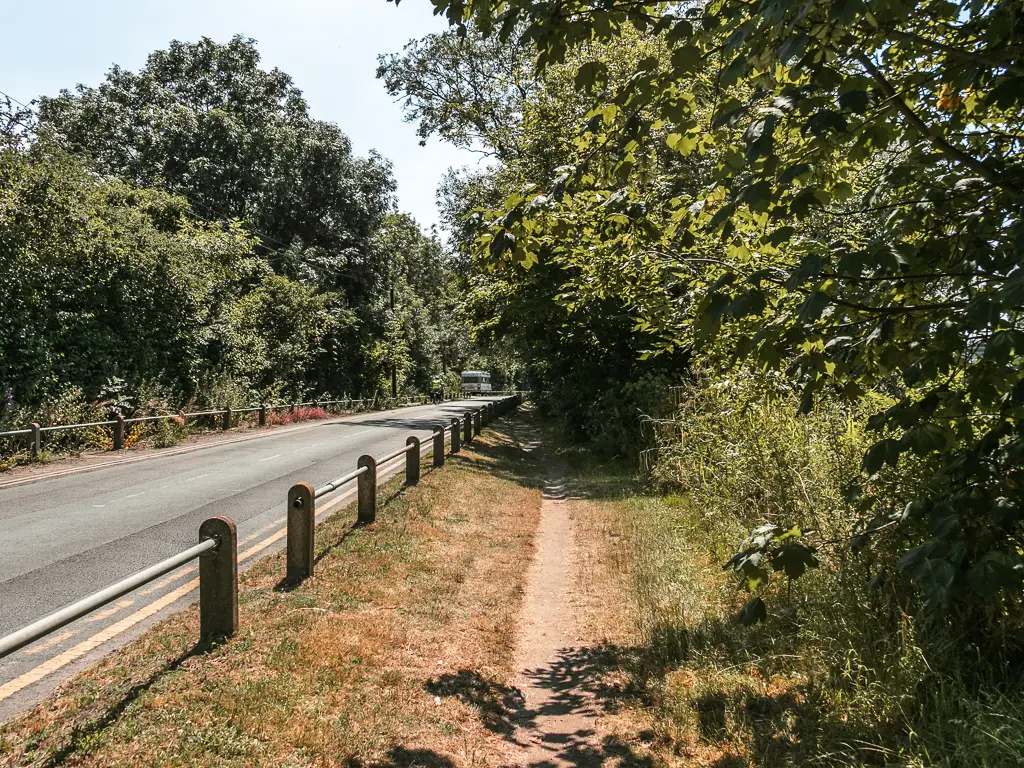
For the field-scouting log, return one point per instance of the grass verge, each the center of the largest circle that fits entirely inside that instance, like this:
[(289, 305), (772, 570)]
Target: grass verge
[(833, 679), (344, 669)]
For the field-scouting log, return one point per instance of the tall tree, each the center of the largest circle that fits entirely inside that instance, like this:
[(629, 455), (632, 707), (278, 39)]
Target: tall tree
[(203, 120), (859, 228)]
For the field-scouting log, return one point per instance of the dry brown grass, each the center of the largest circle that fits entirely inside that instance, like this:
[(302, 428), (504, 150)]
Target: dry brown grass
[(339, 671)]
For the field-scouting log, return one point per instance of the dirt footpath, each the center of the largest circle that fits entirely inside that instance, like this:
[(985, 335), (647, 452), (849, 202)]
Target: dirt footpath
[(556, 725)]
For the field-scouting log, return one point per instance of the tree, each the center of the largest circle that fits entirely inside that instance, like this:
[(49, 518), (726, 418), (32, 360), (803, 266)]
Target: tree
[(857, 225), (577, 353), (202, 120), (98, 279)]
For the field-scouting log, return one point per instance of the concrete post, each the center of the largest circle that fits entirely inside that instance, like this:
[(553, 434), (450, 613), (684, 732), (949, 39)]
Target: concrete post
[(476, 422), (301, 519), (439, 447), (218, 580), (367, 490), (456, 436), (226, 425), (263, 415), (412, 461), (36, 438), (118, 432)]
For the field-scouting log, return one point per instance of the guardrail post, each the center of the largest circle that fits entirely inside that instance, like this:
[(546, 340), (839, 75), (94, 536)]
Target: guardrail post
[(36, 438), (226, 425), (301, 519), (412, 460), (439, 447), (218, 580), (476, 422), (468, 436), (263, 415), (456, 436), (367, 490), (118, 432)]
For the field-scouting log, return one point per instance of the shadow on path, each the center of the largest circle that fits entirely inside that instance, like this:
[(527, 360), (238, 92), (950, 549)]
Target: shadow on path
[(576, 684)]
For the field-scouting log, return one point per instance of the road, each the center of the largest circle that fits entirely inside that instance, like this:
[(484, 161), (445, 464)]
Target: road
[(64, 537)]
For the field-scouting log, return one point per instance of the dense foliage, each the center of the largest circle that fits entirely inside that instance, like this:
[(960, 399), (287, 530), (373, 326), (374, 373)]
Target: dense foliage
[(187, 233), (584, 362), (832, 191)]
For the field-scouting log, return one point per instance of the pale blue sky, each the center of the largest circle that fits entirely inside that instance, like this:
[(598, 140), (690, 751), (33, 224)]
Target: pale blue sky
[(329, 47)]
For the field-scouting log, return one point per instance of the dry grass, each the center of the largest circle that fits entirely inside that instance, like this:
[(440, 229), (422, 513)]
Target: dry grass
[(339, 671), (680, 683)]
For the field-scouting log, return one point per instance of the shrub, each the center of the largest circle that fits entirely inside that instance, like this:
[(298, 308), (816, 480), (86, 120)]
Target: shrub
[(303, 413)]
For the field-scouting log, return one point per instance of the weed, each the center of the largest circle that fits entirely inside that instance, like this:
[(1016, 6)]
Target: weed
[(836, 676)]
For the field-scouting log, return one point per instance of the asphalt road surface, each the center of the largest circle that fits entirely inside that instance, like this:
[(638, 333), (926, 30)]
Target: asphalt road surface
[(65, 537)]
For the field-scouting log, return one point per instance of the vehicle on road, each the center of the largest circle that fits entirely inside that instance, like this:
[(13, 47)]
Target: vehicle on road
[(476, 382), (437, 392)]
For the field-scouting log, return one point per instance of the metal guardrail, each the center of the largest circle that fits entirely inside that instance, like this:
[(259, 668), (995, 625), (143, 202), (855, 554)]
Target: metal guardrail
[(35, 431), (217, 549), (217, 536), (336, 484), (61, 427)]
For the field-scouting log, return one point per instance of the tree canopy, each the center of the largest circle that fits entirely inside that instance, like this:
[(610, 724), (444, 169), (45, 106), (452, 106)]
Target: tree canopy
[(191, 227), (832, 190), (204, 121)]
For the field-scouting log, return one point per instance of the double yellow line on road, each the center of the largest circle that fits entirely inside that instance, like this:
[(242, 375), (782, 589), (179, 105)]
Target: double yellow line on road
[(76, 652)]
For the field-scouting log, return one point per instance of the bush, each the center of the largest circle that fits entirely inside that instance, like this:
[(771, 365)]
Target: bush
[(744, 459), (304, 413), (616, 418), (739, 448)]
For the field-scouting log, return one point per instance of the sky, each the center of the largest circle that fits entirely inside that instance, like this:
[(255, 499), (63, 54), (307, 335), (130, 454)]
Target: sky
[(329, 47)]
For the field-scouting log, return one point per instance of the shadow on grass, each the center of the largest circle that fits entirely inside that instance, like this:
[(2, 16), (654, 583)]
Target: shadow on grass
[(79, 737), (403, 757), (499, 452), (771, 724), (571, 680), (495, 702)]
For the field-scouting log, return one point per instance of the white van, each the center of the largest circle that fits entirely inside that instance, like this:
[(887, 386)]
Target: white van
[(476, 382)]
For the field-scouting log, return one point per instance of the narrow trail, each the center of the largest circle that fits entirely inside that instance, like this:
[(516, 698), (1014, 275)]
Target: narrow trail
[(556, 725)]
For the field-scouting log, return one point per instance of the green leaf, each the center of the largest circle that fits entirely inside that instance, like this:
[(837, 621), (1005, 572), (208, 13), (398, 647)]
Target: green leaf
[(729, 112), (755, 194), (752, 613), (825, 120), (856, 101), (794, 559), (779, 236), (995, 573), (927, 438), (813, 306), (591, 74), (792, 173), (886, 451), (748, 303), (686, 59), (760, 138)]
